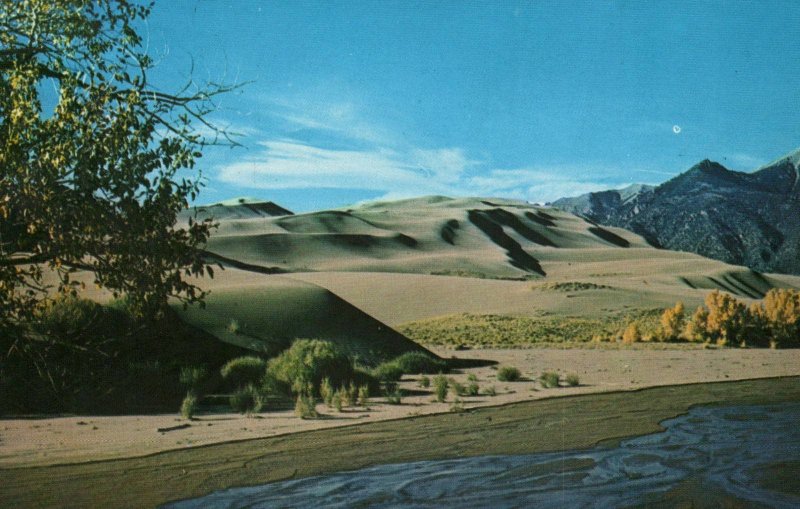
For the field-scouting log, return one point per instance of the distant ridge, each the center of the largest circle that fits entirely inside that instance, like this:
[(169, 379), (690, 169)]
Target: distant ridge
[(237, 208), (750, 219)]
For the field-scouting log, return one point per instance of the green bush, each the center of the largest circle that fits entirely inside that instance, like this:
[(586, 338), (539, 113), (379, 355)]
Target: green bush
[(338, 400), (472, 389), (440, 385), (189, 406), (472, 378), (363, 395), (305, 407), (308, 361), (424, 382), (573, 380), (456, 388), (549, 379), (326, 391), (508, 374), (413, 363), (246, 400), (388, 372), (393, 393), (243, 371)]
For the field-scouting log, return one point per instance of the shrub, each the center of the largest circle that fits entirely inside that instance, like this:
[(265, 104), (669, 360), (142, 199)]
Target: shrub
[(351, 394), (233, 326), (394, 395), (508, 374), (189, 406), (305, 406), (631, 334), (457, 406), (326, 391), (338, 400), (424, 382), (490, 391), (472, 378), (243, 371), (363, 395), (308, 361), (549, 379), (697, 327), (456, 388), (412, 363), (573, 380), (473, 389), (672, 323), (781, 312), (440, 385), (388, 372), (246, 400)]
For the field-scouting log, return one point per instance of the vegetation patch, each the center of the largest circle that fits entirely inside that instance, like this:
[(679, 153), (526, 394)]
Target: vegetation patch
[(508, 374), (502, 331), (570, 286)]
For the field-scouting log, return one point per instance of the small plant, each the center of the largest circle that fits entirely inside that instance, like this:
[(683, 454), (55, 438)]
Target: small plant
[(508, 374), (473, 389), (573, 380), (306, 406), (326, 391), (440, 385), (424, 382), (189, 406), (457, 406), (246, 400), (233, 326), (456, 388), (490, 391), (472, 378), (363, 395), (549, 379), (393, 394), (350, 395), (338, 400)]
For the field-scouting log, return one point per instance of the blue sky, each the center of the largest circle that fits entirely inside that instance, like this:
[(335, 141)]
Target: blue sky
[(345, 101)]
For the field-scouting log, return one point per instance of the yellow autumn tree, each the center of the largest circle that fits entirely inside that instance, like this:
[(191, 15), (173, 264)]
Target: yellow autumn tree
[(672, 323), (781, 308), (727, 318), (632, 334), (697, 327)]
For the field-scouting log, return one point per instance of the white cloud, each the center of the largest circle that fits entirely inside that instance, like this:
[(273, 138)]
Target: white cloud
[(289, 164), (383, 162)]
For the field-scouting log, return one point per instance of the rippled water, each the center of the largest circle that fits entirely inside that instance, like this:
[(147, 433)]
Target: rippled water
[(727, 446)]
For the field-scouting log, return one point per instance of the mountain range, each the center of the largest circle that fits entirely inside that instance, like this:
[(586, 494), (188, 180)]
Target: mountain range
[(750, 219)]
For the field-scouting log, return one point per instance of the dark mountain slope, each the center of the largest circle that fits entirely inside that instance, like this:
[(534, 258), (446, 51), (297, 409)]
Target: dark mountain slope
[(750, 219)]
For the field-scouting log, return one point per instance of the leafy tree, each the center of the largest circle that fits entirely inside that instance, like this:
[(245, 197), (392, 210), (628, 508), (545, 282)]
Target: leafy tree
[(697, 327), (672, 323), (727, 318), (781, 309), (97, 182)]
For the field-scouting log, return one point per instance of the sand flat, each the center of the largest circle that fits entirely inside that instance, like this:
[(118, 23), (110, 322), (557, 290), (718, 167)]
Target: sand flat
[(50, 441)]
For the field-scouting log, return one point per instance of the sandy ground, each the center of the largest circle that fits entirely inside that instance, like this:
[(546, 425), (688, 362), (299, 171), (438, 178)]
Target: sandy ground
[(50, 441)]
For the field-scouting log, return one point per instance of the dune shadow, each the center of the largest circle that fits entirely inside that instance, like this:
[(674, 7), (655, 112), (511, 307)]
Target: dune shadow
[(491, 223)]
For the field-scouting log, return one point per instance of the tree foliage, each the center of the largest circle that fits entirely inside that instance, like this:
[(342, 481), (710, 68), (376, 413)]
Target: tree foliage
[(672, 323), (96, 182)]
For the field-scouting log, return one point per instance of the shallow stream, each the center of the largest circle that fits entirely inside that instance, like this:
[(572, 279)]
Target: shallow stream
[(730, 448)]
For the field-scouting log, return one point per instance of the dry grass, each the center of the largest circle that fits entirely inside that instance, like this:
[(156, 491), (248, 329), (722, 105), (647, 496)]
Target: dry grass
[(498, 331)]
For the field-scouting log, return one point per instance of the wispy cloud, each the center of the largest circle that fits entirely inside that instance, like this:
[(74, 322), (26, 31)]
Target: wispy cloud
[(368, 156), (290, 164)]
